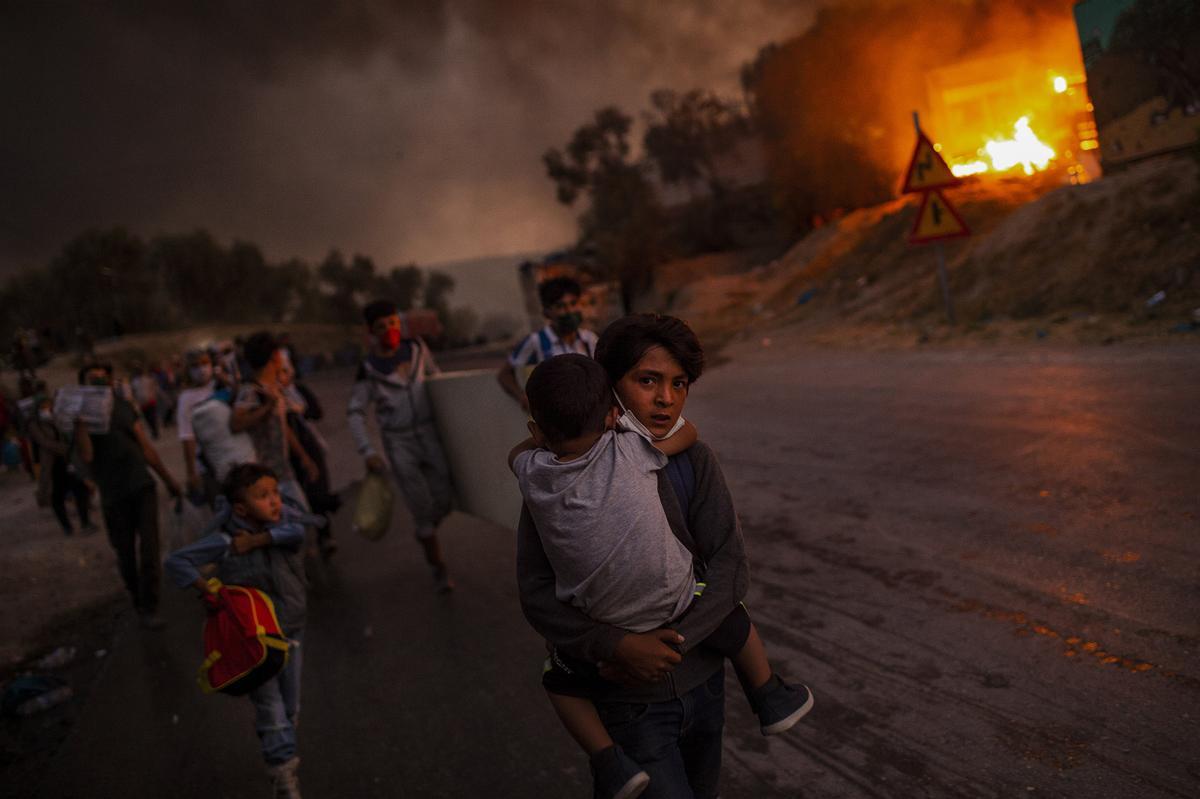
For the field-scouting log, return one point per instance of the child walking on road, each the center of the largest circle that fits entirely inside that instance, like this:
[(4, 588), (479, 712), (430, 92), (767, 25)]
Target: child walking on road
[(593, 493), (255, 540)]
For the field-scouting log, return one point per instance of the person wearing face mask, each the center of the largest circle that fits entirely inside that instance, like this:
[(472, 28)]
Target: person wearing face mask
[(260, 410), (392, 380), (303, 410), (118, 461), (200, 384), (57, 478), (562, 334), (665, 706)]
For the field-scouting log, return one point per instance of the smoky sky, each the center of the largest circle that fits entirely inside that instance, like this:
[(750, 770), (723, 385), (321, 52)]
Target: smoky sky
[(402, 130)]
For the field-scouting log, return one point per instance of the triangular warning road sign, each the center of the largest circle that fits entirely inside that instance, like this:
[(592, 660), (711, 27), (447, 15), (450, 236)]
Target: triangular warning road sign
[(927, 170), (937, 219)]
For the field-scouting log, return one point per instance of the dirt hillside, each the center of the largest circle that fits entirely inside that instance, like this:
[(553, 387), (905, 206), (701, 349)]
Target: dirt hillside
[(1083, 263)]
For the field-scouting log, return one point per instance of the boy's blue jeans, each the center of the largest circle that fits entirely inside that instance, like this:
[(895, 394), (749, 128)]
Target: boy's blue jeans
[(277, 708), (677, 742)]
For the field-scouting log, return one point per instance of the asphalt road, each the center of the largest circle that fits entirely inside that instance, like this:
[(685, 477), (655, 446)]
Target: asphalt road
[(984, 564)]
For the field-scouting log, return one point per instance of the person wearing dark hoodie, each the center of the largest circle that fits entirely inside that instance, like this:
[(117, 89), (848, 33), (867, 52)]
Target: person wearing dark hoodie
[(120, 461), (662, 699)]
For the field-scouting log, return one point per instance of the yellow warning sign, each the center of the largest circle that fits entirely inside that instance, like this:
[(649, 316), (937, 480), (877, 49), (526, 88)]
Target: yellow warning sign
[(928, 169), (937, 219)]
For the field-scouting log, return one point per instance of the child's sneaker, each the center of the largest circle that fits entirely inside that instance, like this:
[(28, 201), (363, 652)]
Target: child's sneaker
[(285, 783), (616, 776), (779, 705), (442, 581)]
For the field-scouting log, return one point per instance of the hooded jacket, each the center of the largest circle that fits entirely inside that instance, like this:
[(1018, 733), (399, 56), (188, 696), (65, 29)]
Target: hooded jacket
[(401, 402), (277, 570)]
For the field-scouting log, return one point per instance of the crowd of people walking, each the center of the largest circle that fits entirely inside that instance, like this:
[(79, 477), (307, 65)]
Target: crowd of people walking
[(629, 554)]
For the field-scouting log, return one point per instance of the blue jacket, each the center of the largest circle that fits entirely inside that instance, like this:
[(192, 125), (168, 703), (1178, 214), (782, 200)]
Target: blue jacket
[(277, 570)]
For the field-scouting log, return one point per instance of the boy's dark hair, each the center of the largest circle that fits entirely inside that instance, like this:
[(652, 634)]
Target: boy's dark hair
[(87, 367), (569, 395), (378, 309), (626, 340), (241, 477), (552, 290), (259, 348)]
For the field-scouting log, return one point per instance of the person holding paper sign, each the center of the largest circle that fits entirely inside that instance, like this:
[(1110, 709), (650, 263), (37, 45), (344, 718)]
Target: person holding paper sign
[(118, 462)]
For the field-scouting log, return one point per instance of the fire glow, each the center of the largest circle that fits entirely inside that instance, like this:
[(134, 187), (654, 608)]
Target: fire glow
[(1024, 149)]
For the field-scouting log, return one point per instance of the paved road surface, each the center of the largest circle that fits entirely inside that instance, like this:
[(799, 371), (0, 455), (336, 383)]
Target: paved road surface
[(984, 563)]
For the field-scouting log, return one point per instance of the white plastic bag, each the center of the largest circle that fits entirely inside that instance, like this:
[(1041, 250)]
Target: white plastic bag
[(373, 510)]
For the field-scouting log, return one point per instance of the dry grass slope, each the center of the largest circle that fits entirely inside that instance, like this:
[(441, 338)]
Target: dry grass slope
[(1040, 254)]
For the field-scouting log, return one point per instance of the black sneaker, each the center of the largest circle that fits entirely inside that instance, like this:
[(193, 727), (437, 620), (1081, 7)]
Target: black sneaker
[(616, 776), (779, 705), (442, 581)]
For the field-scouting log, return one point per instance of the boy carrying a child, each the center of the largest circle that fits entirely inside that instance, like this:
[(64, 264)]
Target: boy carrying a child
[(591, 485)]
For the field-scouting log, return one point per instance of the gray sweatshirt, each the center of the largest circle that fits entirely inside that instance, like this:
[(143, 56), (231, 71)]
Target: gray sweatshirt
[(400, 400), (713, 536), (605, 533)]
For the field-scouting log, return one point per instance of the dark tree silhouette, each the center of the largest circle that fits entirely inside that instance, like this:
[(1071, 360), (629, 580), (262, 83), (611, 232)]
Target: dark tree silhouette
[(624, 221)]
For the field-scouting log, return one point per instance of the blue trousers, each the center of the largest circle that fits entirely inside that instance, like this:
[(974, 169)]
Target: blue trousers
[(677, 742), (277, 708)]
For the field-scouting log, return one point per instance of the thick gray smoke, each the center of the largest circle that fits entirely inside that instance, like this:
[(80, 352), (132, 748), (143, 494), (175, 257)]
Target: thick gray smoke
[(408, 131)]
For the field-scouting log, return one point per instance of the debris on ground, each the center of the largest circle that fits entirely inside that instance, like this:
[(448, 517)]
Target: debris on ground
[(33, 693), (59, 657)]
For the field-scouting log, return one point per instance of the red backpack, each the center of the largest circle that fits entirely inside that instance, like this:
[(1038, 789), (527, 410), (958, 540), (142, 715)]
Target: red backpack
[(243, 644)]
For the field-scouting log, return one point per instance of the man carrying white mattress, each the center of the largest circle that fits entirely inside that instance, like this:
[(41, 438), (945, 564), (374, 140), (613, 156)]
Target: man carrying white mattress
[(392, 379)]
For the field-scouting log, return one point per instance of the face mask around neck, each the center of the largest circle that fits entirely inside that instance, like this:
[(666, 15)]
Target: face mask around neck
[(630, 423)]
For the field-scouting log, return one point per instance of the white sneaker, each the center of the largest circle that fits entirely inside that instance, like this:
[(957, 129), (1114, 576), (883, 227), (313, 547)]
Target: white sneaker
[(285, 783)]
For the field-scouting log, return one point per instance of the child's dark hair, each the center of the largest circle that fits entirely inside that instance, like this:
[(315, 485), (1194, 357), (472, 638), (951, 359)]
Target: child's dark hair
[(259, 348), (569, 395), (377, 310), (626, 340), (552, 290), (241, 477)]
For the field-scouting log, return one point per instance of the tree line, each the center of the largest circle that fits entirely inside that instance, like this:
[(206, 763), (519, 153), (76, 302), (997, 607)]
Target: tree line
[(110, 282)]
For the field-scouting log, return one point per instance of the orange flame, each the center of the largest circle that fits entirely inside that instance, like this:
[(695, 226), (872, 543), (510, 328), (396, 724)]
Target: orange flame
[(1024, 149)]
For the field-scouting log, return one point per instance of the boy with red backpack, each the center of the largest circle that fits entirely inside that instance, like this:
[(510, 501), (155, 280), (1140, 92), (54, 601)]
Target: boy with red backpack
[(255, 541)]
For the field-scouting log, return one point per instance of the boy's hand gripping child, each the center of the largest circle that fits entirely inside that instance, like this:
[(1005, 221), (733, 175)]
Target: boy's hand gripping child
[(588, 477)]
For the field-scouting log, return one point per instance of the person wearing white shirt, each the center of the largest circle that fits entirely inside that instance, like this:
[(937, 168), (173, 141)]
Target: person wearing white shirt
[(562, 334)]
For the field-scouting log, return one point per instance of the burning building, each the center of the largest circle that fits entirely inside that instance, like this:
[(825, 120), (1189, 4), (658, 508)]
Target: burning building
[(1013, 113), (999, 85)]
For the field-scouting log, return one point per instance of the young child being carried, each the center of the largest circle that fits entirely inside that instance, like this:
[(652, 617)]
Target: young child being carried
[(592, 490), (255, 540)]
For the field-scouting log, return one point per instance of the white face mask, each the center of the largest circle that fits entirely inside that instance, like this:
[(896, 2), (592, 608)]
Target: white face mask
[(45, 415), (630, 423), (201, 374)]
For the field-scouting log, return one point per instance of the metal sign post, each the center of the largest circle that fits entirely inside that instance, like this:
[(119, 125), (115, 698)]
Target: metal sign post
[(927, 175), (945, 281)]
